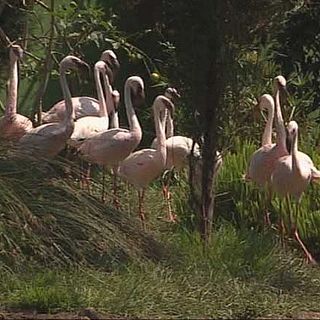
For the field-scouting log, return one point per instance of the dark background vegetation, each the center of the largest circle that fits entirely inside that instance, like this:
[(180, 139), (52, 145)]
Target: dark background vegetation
[(221, 56)]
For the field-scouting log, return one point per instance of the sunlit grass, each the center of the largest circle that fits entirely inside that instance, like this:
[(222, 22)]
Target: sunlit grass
[(102, 258)]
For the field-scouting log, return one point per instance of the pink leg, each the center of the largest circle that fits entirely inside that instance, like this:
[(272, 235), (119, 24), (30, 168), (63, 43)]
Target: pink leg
[(141, 211), (87, 177), (309, 256), (116, 201), (167, 195), (103, 195)]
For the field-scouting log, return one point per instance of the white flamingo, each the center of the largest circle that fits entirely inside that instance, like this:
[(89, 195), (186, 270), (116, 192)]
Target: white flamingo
[(263, 160), (110, 147), (86, 126), (49, 139), (13, 125), (83, 106), (291, 177), (179, 149), (144, 166)]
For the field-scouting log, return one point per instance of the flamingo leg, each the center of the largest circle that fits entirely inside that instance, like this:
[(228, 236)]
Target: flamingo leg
[(281, 227), (87, 177), (309, 256), (141, 210), (267, 220), (103, 194), (116, 201), (167, 196)]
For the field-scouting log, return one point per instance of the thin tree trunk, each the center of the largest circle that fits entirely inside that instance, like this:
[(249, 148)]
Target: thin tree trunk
[(45, 71), (210, 112)]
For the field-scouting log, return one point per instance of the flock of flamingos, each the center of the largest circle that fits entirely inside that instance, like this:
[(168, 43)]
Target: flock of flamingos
[(91, 127)]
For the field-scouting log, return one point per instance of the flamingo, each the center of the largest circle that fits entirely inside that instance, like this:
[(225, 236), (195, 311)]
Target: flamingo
[(179, 149), (144, 166), (263, 160), (292, 175), (86, 126), (173, 95), (49, 139), (83, 106), (13, 125), (110, 147)]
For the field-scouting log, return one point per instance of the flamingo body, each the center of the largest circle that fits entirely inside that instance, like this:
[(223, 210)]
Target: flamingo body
[(89, 125), (83, 106), (111, 146), (13, 125), (49, 139)]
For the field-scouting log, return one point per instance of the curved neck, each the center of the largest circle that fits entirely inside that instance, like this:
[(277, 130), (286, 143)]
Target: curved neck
[(100, 94), (131, 115), (169, 125), (280, 128), (294, 153), (70, 115), (161, 136), (114, 120), (267, 134), (11, 105), (108, 95)]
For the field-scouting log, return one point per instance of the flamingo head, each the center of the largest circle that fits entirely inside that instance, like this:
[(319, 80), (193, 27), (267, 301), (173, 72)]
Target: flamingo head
[(110, 58), (172, 93), (266, 102), (102, 67), (16, 52), (161, 104), (280, 81), (73, 63), (292, 133), (136, 86)]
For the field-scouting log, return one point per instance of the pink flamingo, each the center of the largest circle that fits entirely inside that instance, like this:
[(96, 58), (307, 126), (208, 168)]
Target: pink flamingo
[(292, 175), (144, 166), (263, 160), (13, 125), (88, 125), (110, 147), (49, 139), (83, 106), (179, 149)]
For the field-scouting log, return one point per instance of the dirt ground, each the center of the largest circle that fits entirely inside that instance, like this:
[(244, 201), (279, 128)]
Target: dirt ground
[(85, 314), (90, 314)]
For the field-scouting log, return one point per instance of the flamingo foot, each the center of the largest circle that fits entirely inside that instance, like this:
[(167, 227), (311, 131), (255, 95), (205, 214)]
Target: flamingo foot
[(309, 256), (116, 203), (267, 220)]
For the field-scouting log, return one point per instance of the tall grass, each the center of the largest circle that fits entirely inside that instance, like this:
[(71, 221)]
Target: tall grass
[(103, 259)]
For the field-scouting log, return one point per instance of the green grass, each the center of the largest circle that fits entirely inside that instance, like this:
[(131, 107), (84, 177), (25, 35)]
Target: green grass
[(238, 277), (62, 249)]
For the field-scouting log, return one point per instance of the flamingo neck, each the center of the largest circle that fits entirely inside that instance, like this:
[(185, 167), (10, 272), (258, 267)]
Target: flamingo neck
[(100, 94), (267, 134), (280, 128), (108, 95), (114, 121), (12, 94), (70, 114), (131, 115), (161, 136), (169, 125), (294, 154)]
